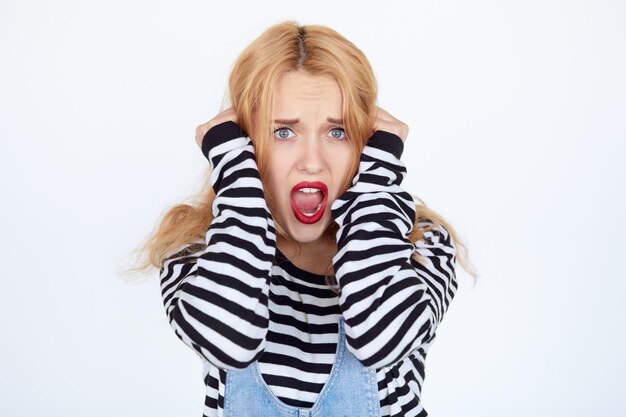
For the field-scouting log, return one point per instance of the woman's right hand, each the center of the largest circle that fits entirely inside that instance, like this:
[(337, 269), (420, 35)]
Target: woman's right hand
[(226, 115)]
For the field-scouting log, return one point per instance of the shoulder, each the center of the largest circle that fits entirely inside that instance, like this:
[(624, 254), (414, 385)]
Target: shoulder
[(435, 244), (189, 249), (188, 252), (433, 233)]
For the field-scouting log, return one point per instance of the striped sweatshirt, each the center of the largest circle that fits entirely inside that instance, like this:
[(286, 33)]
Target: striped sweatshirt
[(234, 298)]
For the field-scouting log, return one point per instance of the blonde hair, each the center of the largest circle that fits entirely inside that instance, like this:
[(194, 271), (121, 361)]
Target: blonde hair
[(287, 46)]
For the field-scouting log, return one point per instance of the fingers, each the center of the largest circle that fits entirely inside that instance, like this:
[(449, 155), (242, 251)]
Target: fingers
[(386, 122), (200, 132), (226, 115)]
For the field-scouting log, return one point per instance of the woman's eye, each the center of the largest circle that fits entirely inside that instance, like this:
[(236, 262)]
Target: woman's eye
[(282, 132), (337, 133)]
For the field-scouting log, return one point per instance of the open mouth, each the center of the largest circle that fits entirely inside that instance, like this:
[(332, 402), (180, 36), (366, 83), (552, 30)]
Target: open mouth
[(308, 201)]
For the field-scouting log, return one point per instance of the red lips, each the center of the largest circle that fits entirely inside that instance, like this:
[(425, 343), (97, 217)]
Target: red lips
[(318, 215)]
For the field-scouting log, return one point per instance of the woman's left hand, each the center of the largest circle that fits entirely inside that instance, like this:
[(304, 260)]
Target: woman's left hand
[(388, 123)]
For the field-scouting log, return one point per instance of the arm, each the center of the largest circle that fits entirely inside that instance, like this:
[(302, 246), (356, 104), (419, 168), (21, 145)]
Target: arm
[(215, 292), (390, 305)]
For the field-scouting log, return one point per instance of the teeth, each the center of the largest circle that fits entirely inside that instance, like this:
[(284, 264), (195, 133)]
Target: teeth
[(310, 190)]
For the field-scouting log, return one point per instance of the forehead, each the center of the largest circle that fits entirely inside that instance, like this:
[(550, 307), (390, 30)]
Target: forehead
[(300, 91)]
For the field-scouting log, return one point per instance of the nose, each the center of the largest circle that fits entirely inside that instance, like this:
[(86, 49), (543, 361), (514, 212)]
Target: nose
[(311, 159)]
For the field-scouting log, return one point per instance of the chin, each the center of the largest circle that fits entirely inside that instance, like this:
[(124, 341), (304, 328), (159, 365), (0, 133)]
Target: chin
[(306, 233), (306, 236)]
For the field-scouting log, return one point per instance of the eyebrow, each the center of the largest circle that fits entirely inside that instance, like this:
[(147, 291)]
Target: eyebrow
[(295, 121)]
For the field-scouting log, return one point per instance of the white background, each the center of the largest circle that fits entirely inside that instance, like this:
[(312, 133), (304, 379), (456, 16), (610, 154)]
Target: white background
[(516, 111)]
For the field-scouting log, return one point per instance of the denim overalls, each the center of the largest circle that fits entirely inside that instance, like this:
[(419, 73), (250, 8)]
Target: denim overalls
[(350, 391)]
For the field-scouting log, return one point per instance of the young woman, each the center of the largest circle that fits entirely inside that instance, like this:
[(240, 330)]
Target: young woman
[(307, 280)]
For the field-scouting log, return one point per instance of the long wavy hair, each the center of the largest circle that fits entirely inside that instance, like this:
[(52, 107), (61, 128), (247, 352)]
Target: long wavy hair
[(284, 47)]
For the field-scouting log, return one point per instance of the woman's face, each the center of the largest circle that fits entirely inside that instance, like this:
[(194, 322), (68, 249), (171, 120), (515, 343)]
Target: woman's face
[(310, 155)]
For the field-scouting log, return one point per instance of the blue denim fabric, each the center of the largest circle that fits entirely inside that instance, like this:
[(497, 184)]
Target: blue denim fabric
[(350, 391)]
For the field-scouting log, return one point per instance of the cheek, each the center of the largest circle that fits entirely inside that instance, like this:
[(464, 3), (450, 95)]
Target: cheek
[(278, 174), (344, 160), (277, 167)]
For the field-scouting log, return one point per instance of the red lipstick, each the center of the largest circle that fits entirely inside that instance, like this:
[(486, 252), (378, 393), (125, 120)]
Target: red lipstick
[(320, 212)]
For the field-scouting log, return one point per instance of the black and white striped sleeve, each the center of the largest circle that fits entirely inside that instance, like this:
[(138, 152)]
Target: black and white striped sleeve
[(391, 307), (215, 292)]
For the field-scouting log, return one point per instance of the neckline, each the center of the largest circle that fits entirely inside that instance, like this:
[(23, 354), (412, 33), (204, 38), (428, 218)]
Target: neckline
[(296, 271), (340, 358)]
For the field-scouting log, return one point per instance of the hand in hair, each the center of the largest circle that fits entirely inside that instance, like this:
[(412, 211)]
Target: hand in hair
[(388, 123), (226, 115)]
